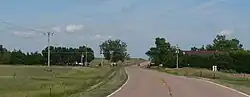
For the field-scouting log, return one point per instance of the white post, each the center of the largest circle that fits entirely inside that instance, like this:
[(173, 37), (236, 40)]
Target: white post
[(102, 56), (177, 57), (49, 34), (82, 59), (86, 55)]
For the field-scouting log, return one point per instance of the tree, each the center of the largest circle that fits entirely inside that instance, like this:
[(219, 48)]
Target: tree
[(17, 57), (162, 53), (194, 49), (232, 56), (1, 50), (4, 55), (63, 55), (33, 59), (221, 43), (114, 50)]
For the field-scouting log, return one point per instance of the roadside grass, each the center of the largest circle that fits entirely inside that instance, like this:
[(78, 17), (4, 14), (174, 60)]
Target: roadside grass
[(111, 83), (241, 83), (62, 81), (37, 81)]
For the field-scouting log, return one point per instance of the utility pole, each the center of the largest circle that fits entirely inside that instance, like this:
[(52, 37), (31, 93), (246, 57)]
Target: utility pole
[(81, 58), (49, 34), (86, 55), (101, 53), (177, 56)]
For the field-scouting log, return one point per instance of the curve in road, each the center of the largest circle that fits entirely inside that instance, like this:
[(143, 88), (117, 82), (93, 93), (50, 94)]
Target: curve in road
[(149, 83)]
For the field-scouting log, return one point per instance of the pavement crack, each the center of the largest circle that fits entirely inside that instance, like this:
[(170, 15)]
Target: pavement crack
[(169, 88)]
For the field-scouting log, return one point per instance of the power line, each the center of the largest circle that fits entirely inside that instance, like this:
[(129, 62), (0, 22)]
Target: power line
[(14, 25), (49, 34)]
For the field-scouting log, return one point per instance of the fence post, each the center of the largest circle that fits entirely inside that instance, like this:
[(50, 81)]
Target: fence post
[(14, 74), (200, 73), (50, 91), (213, 75)]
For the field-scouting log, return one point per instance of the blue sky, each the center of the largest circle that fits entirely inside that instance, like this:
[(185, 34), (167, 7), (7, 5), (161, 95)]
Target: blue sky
[(137, 22)]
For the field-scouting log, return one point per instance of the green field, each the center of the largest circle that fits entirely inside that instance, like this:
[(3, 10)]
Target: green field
[(241, 83), (59, 81), (37, 82)]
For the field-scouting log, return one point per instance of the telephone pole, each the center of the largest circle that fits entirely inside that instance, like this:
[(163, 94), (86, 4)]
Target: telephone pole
[(82, 59), (86, 55), (101, 53), (49, 34), (177, 56)]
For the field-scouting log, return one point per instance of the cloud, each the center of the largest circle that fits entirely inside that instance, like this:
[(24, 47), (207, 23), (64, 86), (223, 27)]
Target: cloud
[(74, 27), (24, 34), (129, 8), (101, 37), (70, 28), (228, 33), (207, 5), (98, 36), (57, 29)]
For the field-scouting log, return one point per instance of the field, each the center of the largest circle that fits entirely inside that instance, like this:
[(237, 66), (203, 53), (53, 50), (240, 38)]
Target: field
[(59, 81), (240, 82)]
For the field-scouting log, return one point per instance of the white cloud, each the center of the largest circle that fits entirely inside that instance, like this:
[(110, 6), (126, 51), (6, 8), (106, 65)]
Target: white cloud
[(74, 27), (204, 6), (57, 29), (227, 33), (109, 36), (102, 37), (97, 36), (24, 34)]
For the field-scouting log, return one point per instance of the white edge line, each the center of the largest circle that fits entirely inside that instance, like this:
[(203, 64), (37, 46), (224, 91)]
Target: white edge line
[(121, 86), (205, 80)]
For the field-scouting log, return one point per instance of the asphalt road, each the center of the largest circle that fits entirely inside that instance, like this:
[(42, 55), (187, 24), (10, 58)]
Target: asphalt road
[(149, 83)]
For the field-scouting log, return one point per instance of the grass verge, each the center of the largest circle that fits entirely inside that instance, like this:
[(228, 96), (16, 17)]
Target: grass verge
[(240, 83), (60, 81), (112, 83), (22, 81), (108, 85)]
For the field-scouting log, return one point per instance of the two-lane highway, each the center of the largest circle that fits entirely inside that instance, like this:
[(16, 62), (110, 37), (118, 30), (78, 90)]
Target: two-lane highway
[(149, 83)]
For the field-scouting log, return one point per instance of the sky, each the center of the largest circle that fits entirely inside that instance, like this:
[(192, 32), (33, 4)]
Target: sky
[(187, 23)]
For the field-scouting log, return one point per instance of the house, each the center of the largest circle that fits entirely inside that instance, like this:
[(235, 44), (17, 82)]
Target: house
[(203, 53)]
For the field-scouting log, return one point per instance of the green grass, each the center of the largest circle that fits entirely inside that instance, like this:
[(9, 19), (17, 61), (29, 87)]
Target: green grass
[(36, 81), (62, 81), (111, 83), (227, 79)]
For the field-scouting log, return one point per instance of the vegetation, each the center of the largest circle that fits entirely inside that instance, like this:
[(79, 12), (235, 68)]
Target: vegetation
[(59, 56), (36, 81), (238, 81), (114, 50), (62, 81), (62, 55), (227, 54), (109, 85)]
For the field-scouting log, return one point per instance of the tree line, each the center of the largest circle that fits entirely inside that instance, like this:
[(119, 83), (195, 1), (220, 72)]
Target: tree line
[(113, 50), (227, 54), (59, 56)]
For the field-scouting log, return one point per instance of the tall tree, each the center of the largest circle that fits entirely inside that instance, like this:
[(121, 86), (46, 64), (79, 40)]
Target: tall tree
[(162, 53), (221, 43), (4, 55), (63, 55), (17, 57), (194, 49), (114, 50)]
